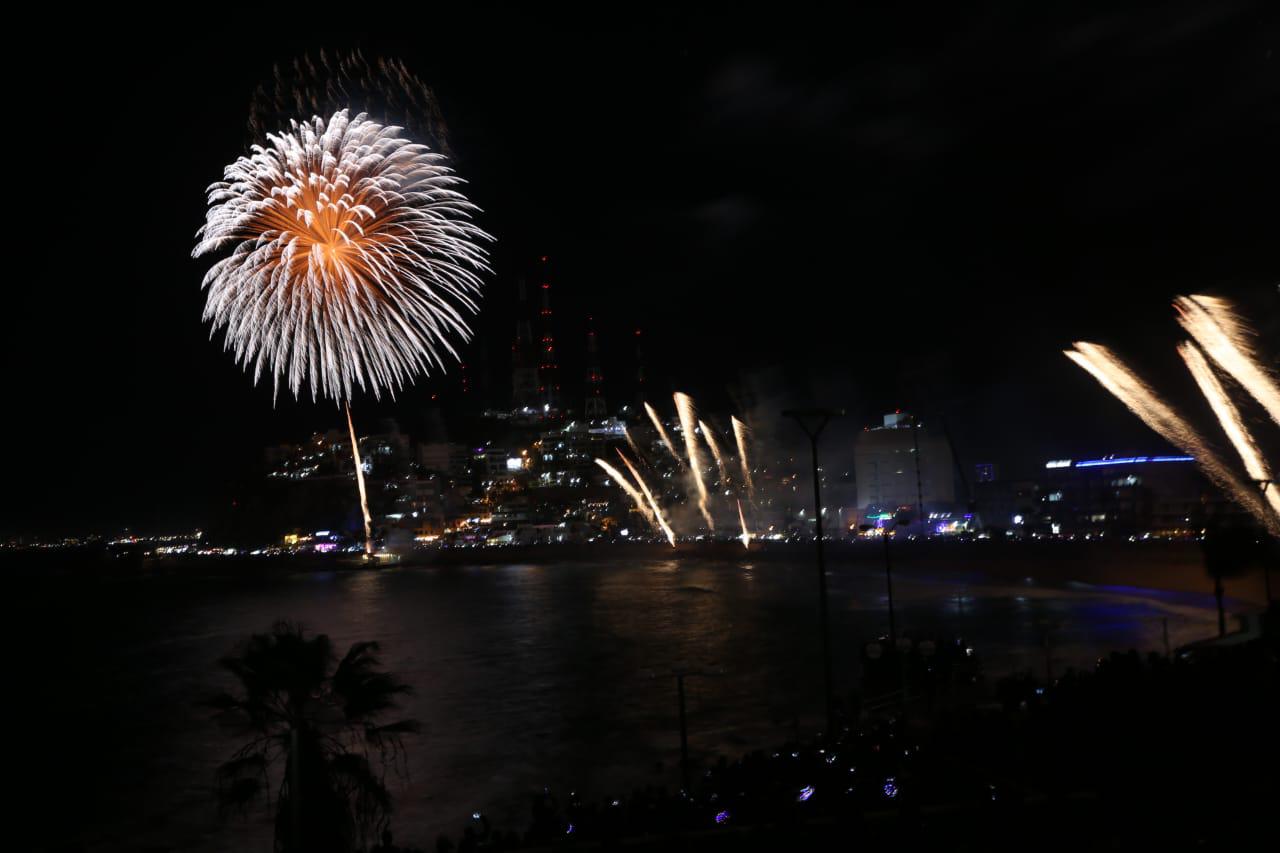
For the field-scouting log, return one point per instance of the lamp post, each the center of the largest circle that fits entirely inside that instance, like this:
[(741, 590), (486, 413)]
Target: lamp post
[(680, 675), (813, 421), (1263, 485)]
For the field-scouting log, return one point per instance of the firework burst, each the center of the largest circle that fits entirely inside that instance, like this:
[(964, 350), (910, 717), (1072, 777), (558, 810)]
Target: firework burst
[(352, 262), (353, 259)]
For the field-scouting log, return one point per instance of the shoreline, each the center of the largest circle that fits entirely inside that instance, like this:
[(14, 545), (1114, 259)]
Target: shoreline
[(1163, 566)]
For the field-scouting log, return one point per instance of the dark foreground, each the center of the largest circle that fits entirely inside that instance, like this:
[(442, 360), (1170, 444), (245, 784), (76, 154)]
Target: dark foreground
[(1159, 754), (529, 676)]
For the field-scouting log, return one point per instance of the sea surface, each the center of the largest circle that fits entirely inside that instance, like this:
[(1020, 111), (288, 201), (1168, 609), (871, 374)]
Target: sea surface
[(525, 676)]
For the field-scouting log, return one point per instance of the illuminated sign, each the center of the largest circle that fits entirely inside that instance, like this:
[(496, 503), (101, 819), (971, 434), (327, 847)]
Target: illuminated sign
[(1131, 460)]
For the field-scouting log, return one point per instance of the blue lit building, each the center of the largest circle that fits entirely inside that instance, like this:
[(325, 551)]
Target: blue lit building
[(1125, 496)]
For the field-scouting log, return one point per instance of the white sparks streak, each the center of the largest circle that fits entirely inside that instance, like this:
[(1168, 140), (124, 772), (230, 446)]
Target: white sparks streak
[(1113, 375), (715, 450), (353, 259), (740, 433), (746, 534), (364, 497), (662, 431), (631, 490), (688, 427), (635, 448), (1229, 417), (1213, 325), (653, 503)]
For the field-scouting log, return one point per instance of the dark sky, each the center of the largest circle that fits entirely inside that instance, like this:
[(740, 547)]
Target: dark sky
[(887, 210)]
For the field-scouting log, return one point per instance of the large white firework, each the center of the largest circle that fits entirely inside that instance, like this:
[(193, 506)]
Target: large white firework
[(353, 262)]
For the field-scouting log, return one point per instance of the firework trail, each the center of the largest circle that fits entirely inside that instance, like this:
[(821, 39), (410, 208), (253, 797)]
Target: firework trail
[(653, 503), (364, 495), (1229, 416), (740, 436), (635, 448), (352, 259), (688, 427), (1213, 325), (631, 490), (383, 88), (746, 534), (715, 450), (1113, 375), (740, 433), (662, 431)]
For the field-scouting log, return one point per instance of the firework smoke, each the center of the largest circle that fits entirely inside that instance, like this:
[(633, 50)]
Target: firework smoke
[(740, 436), (1113, 375), (1229, 417), (631, 490), (653, 503), (1213, 325), (746, 534), (688, 427), (384, 89), (715, 450), (662, 431)]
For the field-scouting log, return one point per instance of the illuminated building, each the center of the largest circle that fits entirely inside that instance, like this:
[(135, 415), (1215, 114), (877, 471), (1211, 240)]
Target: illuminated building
[(1126, 496), (885, 470)]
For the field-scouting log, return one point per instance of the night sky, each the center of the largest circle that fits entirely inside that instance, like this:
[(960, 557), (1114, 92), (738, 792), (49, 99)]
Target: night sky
[(904, 210)]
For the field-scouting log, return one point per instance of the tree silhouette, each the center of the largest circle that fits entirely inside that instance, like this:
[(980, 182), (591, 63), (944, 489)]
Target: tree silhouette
[(313, 736), (1229, 552)]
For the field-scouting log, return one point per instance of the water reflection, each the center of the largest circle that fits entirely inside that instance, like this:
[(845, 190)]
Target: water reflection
[(558, 674)]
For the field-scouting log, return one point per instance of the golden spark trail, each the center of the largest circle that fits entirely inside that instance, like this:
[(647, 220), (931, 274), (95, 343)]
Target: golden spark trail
[(1113, 375), (740, 435), (689, 426), (746, 534), (635, 448), (715, 451), (628, 488), (1213, 325), (364, 497), (662, 431), (657, 510), (1229, 416)]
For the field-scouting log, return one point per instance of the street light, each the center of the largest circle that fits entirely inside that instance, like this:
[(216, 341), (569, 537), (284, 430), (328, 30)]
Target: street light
[(813, 422), (1266, 561), (680, 675)]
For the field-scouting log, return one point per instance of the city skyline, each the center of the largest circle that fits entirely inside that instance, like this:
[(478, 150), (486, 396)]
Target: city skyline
[(981, 197)]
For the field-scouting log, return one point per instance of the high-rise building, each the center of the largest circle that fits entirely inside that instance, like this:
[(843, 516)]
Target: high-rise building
[(886, 473)]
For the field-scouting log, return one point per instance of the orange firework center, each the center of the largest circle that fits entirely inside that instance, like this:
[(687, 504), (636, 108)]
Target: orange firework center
[(335, 225)]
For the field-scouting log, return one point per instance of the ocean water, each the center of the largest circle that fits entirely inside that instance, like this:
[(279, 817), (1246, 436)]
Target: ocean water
[(525, 676)]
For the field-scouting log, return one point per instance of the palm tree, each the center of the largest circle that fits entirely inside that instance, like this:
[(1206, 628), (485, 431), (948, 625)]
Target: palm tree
[(312, 726)]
